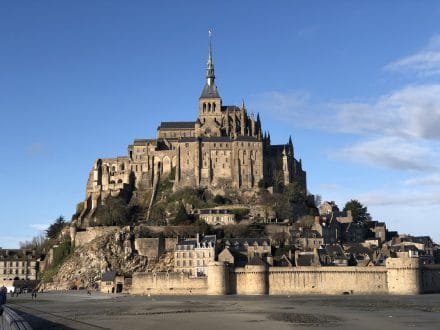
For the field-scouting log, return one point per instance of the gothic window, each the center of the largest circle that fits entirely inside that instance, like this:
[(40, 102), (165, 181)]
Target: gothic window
[(204, 107), (213, 107), (209, 107)]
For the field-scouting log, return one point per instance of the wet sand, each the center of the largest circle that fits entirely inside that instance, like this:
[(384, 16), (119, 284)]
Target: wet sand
[(77, 310)]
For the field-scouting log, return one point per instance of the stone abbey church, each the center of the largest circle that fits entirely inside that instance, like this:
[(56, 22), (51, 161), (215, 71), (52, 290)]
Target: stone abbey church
[(225, 148)]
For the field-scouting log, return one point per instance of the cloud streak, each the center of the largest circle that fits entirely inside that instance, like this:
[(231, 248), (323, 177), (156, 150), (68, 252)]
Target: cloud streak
[(425, 62), (389, 152)]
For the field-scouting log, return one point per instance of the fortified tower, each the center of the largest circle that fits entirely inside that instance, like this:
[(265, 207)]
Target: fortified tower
[(404, 275)]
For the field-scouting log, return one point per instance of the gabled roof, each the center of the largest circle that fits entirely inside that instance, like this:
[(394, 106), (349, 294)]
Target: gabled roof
[(240, 242)]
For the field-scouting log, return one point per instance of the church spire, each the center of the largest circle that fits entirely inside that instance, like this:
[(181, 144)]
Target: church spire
[(210, 65), (210, 89)]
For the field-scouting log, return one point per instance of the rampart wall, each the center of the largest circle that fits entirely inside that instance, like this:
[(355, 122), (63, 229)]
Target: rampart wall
[(399, 276), (431, 278), (164, 283), (327, 280)]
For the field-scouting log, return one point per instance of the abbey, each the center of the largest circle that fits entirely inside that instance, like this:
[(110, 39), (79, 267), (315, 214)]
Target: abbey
[(224, 148)]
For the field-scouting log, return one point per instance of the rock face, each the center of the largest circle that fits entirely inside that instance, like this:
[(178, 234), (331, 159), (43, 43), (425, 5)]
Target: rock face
[(113, 251)]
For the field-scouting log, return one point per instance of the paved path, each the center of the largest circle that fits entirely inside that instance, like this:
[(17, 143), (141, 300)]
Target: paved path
[(77, 310)]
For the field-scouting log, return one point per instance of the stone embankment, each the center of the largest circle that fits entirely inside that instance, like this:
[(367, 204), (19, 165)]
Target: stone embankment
[(10, 320)]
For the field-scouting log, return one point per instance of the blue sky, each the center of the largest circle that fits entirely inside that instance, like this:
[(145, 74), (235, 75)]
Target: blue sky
[(356, 84)]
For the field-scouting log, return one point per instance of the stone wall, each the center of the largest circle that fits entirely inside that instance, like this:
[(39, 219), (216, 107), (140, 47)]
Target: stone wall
[(404, 275), (399, 276), (431, 278), (152, 248), (327, 280), (164, 283), (88, 235)]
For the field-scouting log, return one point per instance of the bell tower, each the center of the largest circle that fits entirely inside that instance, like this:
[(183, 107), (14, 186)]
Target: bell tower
[(210, 103)]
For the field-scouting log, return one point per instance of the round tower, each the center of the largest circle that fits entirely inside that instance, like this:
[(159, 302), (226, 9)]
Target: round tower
[(404, 275), (255, 280), (218, 278)]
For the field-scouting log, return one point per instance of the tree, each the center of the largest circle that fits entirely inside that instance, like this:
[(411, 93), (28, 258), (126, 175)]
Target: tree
[(181, 216), (358, 211), (114, 212), (55, 229)]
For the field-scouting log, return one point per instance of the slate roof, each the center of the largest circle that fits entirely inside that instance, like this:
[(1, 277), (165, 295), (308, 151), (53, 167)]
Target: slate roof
[(188, 139), (208, 238), (108, 276), (335, 251), (177, 124), (215, 211), (230, 108), (256, 261), (210, 91), (305, 260), (16, 254), (143, 142), (240, 242), (216, 139)]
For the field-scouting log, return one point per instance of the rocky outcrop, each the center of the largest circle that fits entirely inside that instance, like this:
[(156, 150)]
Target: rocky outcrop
[(113, 251)]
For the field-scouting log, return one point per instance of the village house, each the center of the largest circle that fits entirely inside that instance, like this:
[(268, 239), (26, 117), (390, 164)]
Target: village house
[(192, 256)]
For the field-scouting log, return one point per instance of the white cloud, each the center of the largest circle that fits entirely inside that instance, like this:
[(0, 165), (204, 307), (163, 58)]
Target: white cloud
[(400, 130), (427, 180), (425, 62), (39, 226), (410, 112), (401, 197), (390, 152)]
